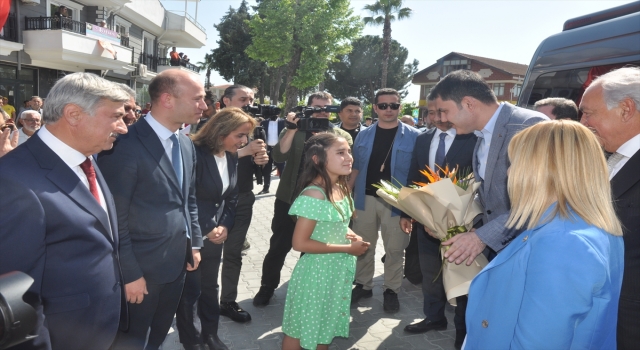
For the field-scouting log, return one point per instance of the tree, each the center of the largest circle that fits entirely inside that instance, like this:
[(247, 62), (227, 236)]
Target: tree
[(303, 36), (357, 73), (208, 65), (383, 12), (229, 58)]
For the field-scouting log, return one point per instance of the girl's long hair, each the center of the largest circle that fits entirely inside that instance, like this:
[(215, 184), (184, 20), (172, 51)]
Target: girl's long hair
[(317, 146)]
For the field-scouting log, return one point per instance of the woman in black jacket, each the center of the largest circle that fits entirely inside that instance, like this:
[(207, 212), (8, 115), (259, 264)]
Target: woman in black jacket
[(216, 194)]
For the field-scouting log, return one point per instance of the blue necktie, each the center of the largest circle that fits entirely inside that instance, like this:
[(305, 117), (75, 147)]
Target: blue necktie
[(176, 158), (440, 152)]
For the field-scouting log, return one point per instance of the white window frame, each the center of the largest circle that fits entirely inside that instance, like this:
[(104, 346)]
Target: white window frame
[(72, 5), (119, 21), (151, 37)]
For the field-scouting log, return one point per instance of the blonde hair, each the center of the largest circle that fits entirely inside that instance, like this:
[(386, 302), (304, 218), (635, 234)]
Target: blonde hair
[(559, 160), (221, 125)]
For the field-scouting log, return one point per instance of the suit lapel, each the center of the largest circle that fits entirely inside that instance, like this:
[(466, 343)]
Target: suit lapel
[(111, 206), (427, 147), (187, 163), (497, 140), (627, 177), (214, 173), (70, 184), (152, 143)]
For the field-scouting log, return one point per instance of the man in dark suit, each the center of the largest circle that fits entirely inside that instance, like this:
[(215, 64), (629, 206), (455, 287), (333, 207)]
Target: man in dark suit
[(441, 147), (151, 172), (611, 108), (59, 224), (272, 128), (465, 100)]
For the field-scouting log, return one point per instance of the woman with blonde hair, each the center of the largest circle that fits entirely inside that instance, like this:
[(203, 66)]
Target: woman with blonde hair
[(557, 284), (216, 144)]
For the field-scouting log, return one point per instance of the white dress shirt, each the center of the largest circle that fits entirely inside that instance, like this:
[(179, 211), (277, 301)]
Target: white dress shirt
[(433, 148), (272, 137), (486, 134), (72, 158), (223, 169), (628, 149)]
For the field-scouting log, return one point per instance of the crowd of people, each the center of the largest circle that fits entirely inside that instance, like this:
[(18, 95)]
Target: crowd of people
[(125, 221)]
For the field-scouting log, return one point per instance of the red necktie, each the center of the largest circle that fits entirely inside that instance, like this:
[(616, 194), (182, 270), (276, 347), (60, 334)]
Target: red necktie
[(90, 171)]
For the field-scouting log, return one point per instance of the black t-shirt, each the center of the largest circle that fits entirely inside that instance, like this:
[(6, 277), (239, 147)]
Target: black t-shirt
[(382, 144), (353, 132)]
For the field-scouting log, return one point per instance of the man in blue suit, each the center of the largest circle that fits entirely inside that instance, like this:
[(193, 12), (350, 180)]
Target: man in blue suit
[(465, 100), (151, 172), (59, 224), (437, 147)]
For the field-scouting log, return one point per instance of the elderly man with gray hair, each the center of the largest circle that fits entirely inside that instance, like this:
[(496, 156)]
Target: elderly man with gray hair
[(557, 108), (59, 224), (611, 108), (30, 120)]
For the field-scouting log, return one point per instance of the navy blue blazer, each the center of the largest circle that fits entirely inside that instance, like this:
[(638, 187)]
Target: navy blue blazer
[(208, 191), (154, 212), (53, 229)]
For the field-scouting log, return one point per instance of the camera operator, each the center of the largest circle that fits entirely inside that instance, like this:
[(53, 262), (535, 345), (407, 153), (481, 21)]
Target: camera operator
[(289, 149)]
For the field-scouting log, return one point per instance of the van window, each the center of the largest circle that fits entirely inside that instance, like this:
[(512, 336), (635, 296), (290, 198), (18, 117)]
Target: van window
[(569, 84)]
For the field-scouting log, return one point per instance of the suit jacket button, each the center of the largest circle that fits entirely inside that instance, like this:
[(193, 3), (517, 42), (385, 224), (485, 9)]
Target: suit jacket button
[(488, 212), (217, 205), (525, 238), (485, 323)]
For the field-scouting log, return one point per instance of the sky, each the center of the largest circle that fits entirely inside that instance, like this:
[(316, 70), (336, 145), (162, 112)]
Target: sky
[(508, 30)]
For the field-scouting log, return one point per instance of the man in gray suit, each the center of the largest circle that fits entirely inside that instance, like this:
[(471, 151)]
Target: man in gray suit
[(151, 173), (464, 99)]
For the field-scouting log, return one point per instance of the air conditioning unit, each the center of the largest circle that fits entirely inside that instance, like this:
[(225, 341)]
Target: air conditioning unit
[(141, 70)]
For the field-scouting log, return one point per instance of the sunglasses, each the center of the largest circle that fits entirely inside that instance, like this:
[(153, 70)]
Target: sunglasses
[(383, 106)]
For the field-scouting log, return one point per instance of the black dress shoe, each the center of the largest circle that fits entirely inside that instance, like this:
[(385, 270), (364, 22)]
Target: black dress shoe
[(214, 343), (234, 312), (460, 334), (194, 347), (426, 325), (264, 191), (263, 296), (359, 292)]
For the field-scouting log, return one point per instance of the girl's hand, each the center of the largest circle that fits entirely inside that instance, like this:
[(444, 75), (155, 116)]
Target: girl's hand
[(218, 235), (358, 248), (353, 237)]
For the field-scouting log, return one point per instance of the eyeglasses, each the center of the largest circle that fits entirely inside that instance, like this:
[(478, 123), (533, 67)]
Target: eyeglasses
[(138, 111), (383, 106)]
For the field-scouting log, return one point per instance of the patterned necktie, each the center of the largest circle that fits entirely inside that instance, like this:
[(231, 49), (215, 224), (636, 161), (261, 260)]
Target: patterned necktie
[(176, 158), (613, 160), (440, 152), (90, 172)]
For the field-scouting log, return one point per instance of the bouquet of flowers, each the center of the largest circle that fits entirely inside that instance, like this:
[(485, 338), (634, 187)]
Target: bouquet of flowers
[(445, 206)]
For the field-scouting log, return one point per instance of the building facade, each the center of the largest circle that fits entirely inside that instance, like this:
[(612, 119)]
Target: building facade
[(505, 78), (38, 46)]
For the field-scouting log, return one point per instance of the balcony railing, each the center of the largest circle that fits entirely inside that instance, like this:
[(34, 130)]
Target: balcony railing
[(10, 30), (191, 19), (124, 41), (167, 62), (149, 60), (44, 23)]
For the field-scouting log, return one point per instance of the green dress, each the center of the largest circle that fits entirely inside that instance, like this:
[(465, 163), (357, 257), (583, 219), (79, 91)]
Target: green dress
[(319, 292)]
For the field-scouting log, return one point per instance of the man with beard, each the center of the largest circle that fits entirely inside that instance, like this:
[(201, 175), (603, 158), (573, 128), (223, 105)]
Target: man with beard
[(438, 147)]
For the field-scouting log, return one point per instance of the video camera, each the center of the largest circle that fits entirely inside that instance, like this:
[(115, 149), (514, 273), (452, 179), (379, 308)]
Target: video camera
[(308, 123), (263, 110), (17, 318)]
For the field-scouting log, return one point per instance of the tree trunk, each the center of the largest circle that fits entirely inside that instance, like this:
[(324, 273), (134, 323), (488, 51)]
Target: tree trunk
[(275, 83), (291, 91), (372, 90), (386, 43), (321, 86)]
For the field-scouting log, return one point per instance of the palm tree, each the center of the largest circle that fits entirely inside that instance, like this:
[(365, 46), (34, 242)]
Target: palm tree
[(383, 12), (207, 64)]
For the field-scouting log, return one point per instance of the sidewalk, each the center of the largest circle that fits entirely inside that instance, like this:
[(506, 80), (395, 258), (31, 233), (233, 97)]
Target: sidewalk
[(371, 327)]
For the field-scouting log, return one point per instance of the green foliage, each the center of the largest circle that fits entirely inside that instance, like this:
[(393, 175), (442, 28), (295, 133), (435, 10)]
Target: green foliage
[(358, 73), (383, 10), (229, 58), (407, 108), (305, 35)]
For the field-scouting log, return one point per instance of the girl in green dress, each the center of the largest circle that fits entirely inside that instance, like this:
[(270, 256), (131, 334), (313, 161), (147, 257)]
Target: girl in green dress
[(319, 293)]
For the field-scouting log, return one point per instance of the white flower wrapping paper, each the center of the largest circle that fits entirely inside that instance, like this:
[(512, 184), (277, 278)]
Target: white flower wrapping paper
[(440, 206)]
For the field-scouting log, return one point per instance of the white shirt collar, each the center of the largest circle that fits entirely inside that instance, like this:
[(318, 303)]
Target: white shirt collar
[(451, 132), (160, 130), (491, 124), (629, 148), (69, 155)]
